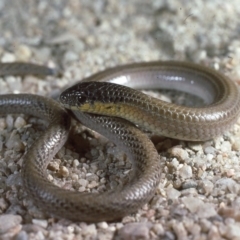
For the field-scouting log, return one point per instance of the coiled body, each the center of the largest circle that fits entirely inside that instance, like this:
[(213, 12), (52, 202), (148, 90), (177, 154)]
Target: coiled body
[(220, 94), (222, 110)]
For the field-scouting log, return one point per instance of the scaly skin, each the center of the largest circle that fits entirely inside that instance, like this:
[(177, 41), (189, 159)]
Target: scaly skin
[(94, 96)]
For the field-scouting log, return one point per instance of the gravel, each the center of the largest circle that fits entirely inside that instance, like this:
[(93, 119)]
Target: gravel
[(198, 196)]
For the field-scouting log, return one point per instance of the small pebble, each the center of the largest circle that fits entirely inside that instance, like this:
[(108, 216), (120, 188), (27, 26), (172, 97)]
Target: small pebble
[(209, 150), (22, 235), (205, 187), (102, 225), (206, 210), (179, 230), (233, 231), (19, 122), (40, 222), (179, 153), (9, 223), (192, 204), (89, 230), (74, 177), (93, 184), (3, 123), (214, 233), (63, 171), (135, 231), (14, 142), (53, 166), (8, 57), (9, 122), (92, 177), (235, 144), (158, 229), (205, 225), (226, 147), (83, 182), (76, 163), (195, 147), (70, 56), (173, 193), (189, 184), (228, 185), (23, 53), (185, 172)]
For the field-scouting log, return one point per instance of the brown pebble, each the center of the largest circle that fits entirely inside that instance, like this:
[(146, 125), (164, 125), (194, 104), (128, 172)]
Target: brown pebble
[(63, 171), (53, 166)]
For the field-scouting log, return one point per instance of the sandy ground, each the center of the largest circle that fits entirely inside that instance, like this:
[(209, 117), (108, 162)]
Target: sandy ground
[(198, 196)]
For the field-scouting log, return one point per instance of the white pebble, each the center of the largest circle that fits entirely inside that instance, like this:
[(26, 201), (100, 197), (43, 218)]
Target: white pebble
[(192, 203), (89, 230), (172, 193), (185, 172), (9, 221), (233, 231), (226, 146), (8, 57), (40, 222), (102, 225), (75, 163)]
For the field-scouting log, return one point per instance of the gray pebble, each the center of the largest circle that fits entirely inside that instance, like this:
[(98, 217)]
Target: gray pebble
[(189, 184), (21, 236), (14, 179), (3, 123), (70, 56), (172, 193), (83, 182), (135, 231), (209, 150), (19, 122), (205, 187), (9, 122), (185, 172), (228, 185), (192, 204)]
